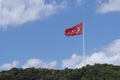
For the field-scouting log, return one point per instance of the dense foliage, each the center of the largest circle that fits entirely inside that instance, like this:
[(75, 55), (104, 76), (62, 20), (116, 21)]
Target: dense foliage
[(94, 72)]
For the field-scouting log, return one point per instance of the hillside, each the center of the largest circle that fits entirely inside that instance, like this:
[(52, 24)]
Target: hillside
[(90, 72)]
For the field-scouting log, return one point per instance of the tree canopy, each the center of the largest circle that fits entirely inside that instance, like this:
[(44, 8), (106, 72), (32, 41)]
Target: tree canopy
[(89, 72)]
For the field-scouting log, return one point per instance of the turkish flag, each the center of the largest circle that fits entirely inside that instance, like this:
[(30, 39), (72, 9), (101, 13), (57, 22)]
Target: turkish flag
[(75, 30)]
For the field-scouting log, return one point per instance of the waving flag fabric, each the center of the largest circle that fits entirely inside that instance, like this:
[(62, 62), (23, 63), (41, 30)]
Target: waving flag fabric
[(75, 30)]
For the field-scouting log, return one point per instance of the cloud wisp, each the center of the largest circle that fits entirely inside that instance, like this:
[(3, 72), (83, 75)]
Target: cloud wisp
[(17, 12), (37, 63), (74, 62), (8, 66), (108, 6)]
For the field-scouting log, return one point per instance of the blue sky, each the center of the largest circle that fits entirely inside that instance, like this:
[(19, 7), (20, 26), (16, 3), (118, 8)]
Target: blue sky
[(32, 33)]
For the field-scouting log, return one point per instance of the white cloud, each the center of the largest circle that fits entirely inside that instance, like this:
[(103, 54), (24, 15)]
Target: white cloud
[(8, 66), (21, 11), (108, 6), (110, 55), (73, 62), (37, 63)]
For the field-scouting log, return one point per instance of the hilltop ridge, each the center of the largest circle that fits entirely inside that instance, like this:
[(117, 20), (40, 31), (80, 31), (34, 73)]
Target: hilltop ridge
[(89, 72)]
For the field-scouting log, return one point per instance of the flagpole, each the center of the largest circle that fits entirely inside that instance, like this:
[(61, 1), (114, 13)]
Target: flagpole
[(83, 46)]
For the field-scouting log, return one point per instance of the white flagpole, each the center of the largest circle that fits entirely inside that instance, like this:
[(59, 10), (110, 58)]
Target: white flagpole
[(83, 46)]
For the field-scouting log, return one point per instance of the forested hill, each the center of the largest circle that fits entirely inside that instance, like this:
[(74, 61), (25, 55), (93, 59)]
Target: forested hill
[(94, 72)]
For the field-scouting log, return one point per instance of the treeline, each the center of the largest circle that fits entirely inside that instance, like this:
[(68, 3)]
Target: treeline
[(90, 72)]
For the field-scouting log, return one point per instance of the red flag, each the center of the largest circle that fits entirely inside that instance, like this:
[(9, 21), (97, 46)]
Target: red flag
[(75, 30)]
